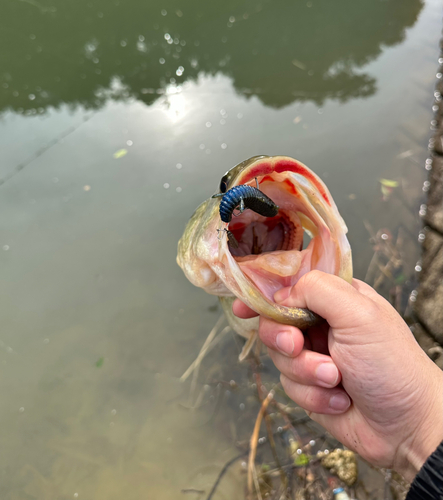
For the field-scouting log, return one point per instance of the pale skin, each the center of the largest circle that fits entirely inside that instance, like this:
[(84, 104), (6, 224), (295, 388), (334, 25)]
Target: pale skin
[(361, 375)]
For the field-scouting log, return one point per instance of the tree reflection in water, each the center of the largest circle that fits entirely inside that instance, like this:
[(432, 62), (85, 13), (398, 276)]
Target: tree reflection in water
[(85, 51)]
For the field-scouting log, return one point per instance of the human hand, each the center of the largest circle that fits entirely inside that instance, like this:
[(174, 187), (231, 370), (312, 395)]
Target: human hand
[(389, 405)]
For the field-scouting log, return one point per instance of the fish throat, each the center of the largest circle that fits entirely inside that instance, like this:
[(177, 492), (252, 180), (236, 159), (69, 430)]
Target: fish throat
[(256, 234)]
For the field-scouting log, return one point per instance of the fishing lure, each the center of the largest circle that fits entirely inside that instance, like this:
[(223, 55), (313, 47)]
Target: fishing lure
[(231, 238), (243, 197)]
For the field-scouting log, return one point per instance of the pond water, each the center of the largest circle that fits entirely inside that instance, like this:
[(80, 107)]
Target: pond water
[(117, 118)]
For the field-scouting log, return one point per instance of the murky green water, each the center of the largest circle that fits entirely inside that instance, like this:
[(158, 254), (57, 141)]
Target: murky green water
[(117, 120)]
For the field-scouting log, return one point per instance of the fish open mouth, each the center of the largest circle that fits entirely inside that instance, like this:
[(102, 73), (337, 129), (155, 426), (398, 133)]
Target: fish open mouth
[(266, 250), (270, 249)]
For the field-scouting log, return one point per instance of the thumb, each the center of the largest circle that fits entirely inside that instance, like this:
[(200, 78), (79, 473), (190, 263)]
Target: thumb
[(331, 297)]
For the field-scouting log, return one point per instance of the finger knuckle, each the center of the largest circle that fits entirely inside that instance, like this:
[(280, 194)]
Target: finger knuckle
[(314, 400), (298, 371), (370, 313)]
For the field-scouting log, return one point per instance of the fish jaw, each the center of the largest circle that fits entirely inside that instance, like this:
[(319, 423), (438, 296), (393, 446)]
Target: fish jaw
[(197, 248), (275, 258)]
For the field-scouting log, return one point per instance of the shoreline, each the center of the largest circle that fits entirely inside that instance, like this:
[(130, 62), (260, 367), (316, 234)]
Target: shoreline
[(428, 306)]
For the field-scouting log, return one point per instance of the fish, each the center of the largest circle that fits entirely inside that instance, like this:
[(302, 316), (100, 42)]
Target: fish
[(269, 253)]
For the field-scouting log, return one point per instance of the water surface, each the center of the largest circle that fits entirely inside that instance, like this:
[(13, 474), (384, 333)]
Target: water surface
[(117, 120)]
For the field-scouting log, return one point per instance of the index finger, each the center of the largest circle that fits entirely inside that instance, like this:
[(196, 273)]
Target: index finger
[(242, 310)]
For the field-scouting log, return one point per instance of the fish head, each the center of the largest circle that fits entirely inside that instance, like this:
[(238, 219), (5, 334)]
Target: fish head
[(270, 252)]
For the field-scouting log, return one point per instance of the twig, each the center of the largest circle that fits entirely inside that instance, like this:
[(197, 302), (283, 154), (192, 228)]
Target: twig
[(223, 472), (192, 490), (293, 466), (289, 410), (254, 440), (320, 493), (393, 263), (267, 418), (202, 352), (284, 414), (373, 265), (271, 439), (369, 229), (200, 357), (257, 486)]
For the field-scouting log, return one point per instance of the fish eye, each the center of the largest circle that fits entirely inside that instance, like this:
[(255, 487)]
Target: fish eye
[(223, 186)]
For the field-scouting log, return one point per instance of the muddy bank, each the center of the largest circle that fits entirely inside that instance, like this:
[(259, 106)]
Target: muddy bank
[(429, 299)]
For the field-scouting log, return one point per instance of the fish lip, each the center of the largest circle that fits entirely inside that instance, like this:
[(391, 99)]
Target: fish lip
[(267, 165)]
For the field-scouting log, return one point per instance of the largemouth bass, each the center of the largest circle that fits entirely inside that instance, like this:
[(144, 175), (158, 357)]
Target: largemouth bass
[(268, 253)]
